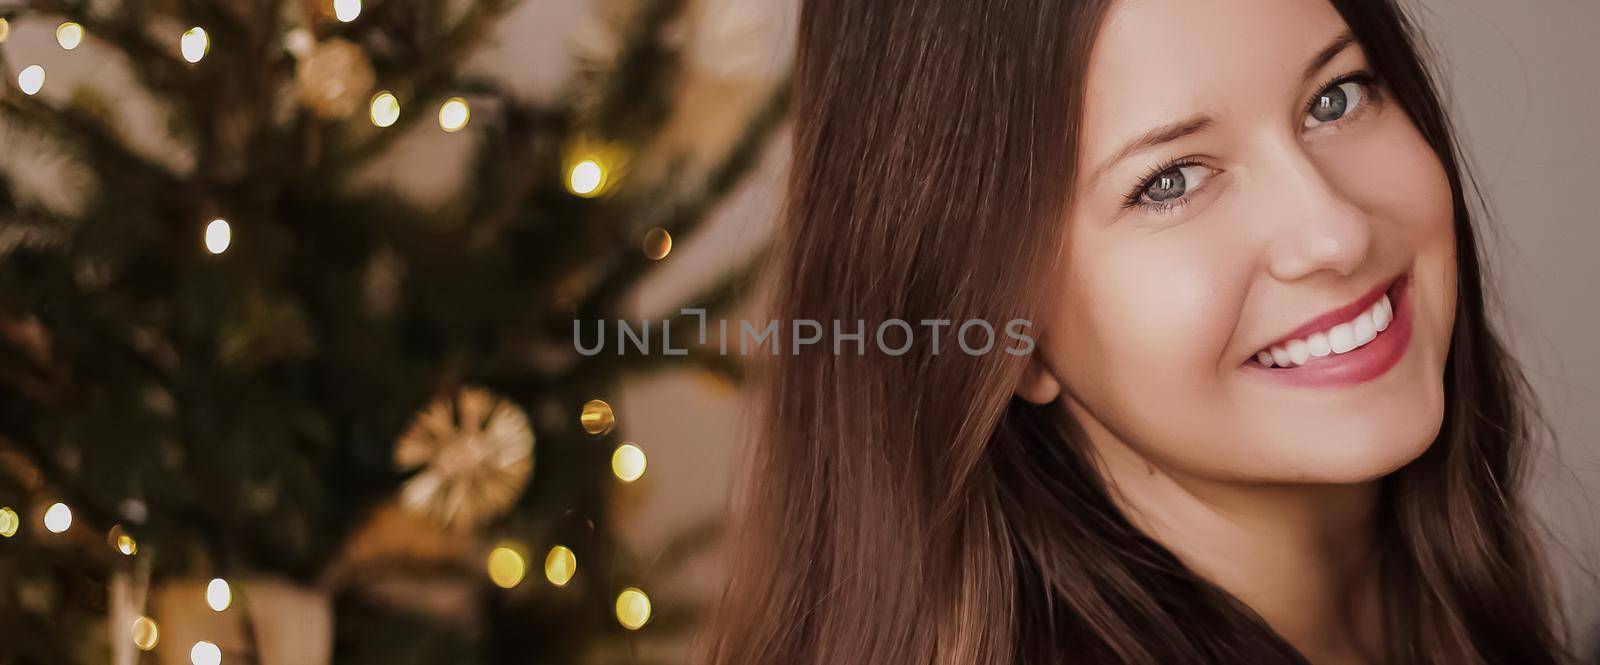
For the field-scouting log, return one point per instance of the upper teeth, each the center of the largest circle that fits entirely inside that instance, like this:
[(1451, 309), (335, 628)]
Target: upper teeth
[(1342, 338)]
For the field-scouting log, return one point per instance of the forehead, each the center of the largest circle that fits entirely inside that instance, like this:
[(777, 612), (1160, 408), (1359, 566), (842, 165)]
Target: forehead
[(1156, 61)]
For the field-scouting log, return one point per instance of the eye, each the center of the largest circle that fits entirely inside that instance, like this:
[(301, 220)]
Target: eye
[(1168, 187), (1338, 101)]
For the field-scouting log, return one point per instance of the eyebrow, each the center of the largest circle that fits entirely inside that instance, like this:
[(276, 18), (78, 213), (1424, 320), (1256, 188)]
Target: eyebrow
[(1327, 54), (1201, 122)]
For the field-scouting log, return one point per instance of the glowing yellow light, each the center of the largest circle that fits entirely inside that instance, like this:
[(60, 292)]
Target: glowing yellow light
[(346, 10), (31, 79), (122, 542), (657, 243), (205, 653), (597, 417), (587, 178), (9, 522), (628, 462), (5, 29), (69, 35), (385, 109), (633, 608), (194, 44), (219, 595), (58, 518), (145, 633), (560, 565), (218, 236), (506, 567), (453, 114)]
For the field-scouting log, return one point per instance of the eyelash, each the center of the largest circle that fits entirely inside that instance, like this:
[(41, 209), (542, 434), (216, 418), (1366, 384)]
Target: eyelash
[(1369, 97), (1134, 198), (1369, 83)]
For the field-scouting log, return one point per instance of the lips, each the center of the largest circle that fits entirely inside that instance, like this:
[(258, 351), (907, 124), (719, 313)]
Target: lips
[(1339, 315), (1382, 352)]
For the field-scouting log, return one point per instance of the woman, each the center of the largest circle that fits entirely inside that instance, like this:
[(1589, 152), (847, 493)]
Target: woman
[(1266, 419)]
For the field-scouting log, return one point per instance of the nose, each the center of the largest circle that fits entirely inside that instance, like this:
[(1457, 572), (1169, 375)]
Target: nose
[(1319, 227)]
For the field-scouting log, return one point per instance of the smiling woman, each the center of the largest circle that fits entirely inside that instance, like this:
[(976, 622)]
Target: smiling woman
[(1266, 421)]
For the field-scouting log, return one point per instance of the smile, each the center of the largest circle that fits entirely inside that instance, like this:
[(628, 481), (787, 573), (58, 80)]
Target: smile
[(1354, 343)]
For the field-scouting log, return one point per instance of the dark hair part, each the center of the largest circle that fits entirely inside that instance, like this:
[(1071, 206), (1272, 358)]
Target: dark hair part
[(911, 510)]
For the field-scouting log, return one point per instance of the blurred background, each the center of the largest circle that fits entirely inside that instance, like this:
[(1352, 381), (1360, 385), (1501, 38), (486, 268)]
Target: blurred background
[(286, 294)]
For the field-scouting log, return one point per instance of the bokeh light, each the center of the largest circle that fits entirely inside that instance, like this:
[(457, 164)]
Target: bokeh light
[(597, 417), (586, 178), (657, 243), (121, 541), (205, 653), (9, 522), (219, 235), (194, 44), (31, 79), (453, 114), (346, 10), (145, 633), (560, 565), (506, 567), (219, 595), (633, 608), (58, 518), (628, 462), (69, 35), (385, 108)]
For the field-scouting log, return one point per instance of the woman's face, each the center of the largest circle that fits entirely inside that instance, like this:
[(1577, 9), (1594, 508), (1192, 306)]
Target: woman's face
[(1242, 182)]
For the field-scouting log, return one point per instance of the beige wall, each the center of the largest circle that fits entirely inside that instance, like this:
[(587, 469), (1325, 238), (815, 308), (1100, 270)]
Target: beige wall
[(1522, 77)]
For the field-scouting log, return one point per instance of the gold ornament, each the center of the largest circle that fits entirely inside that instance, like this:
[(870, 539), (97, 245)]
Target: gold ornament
[(476, 453), (334, 78)]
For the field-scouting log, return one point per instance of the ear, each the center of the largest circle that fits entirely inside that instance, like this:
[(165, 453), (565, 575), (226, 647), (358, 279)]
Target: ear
[(1038, 383)]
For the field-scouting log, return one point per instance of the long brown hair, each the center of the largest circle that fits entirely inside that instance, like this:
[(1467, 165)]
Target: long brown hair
[(910, 510)]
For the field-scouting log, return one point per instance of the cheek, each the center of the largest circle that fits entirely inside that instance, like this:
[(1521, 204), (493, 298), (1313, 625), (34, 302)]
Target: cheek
[(1161, 301), (1394, 175), (1146, 321)]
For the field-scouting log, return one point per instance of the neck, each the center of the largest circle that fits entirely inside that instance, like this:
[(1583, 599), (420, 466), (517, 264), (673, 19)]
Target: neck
[(1301, 555)]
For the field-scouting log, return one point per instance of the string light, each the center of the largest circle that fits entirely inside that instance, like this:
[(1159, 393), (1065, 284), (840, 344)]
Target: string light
[(145, 633), (586, 178), (5, 30), (453, 114), (657, 243), (597, 417), (122, 542), (58, 518), (628, 462), (9, 522), (219, 595), (205, 653), (506, 567), (31, 79), (385, 108), (560, 565), (633, 608), (194, 44), (346, 10), (69, 35), (219, 235)]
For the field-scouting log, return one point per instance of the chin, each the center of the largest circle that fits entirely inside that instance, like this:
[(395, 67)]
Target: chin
[(1359, 449)]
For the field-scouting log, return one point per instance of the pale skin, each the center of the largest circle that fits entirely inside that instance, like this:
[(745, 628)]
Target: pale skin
[(1266, 489)]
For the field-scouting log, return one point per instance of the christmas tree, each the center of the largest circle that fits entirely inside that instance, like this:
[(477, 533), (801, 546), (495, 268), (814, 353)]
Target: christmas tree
[(253, 410)]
